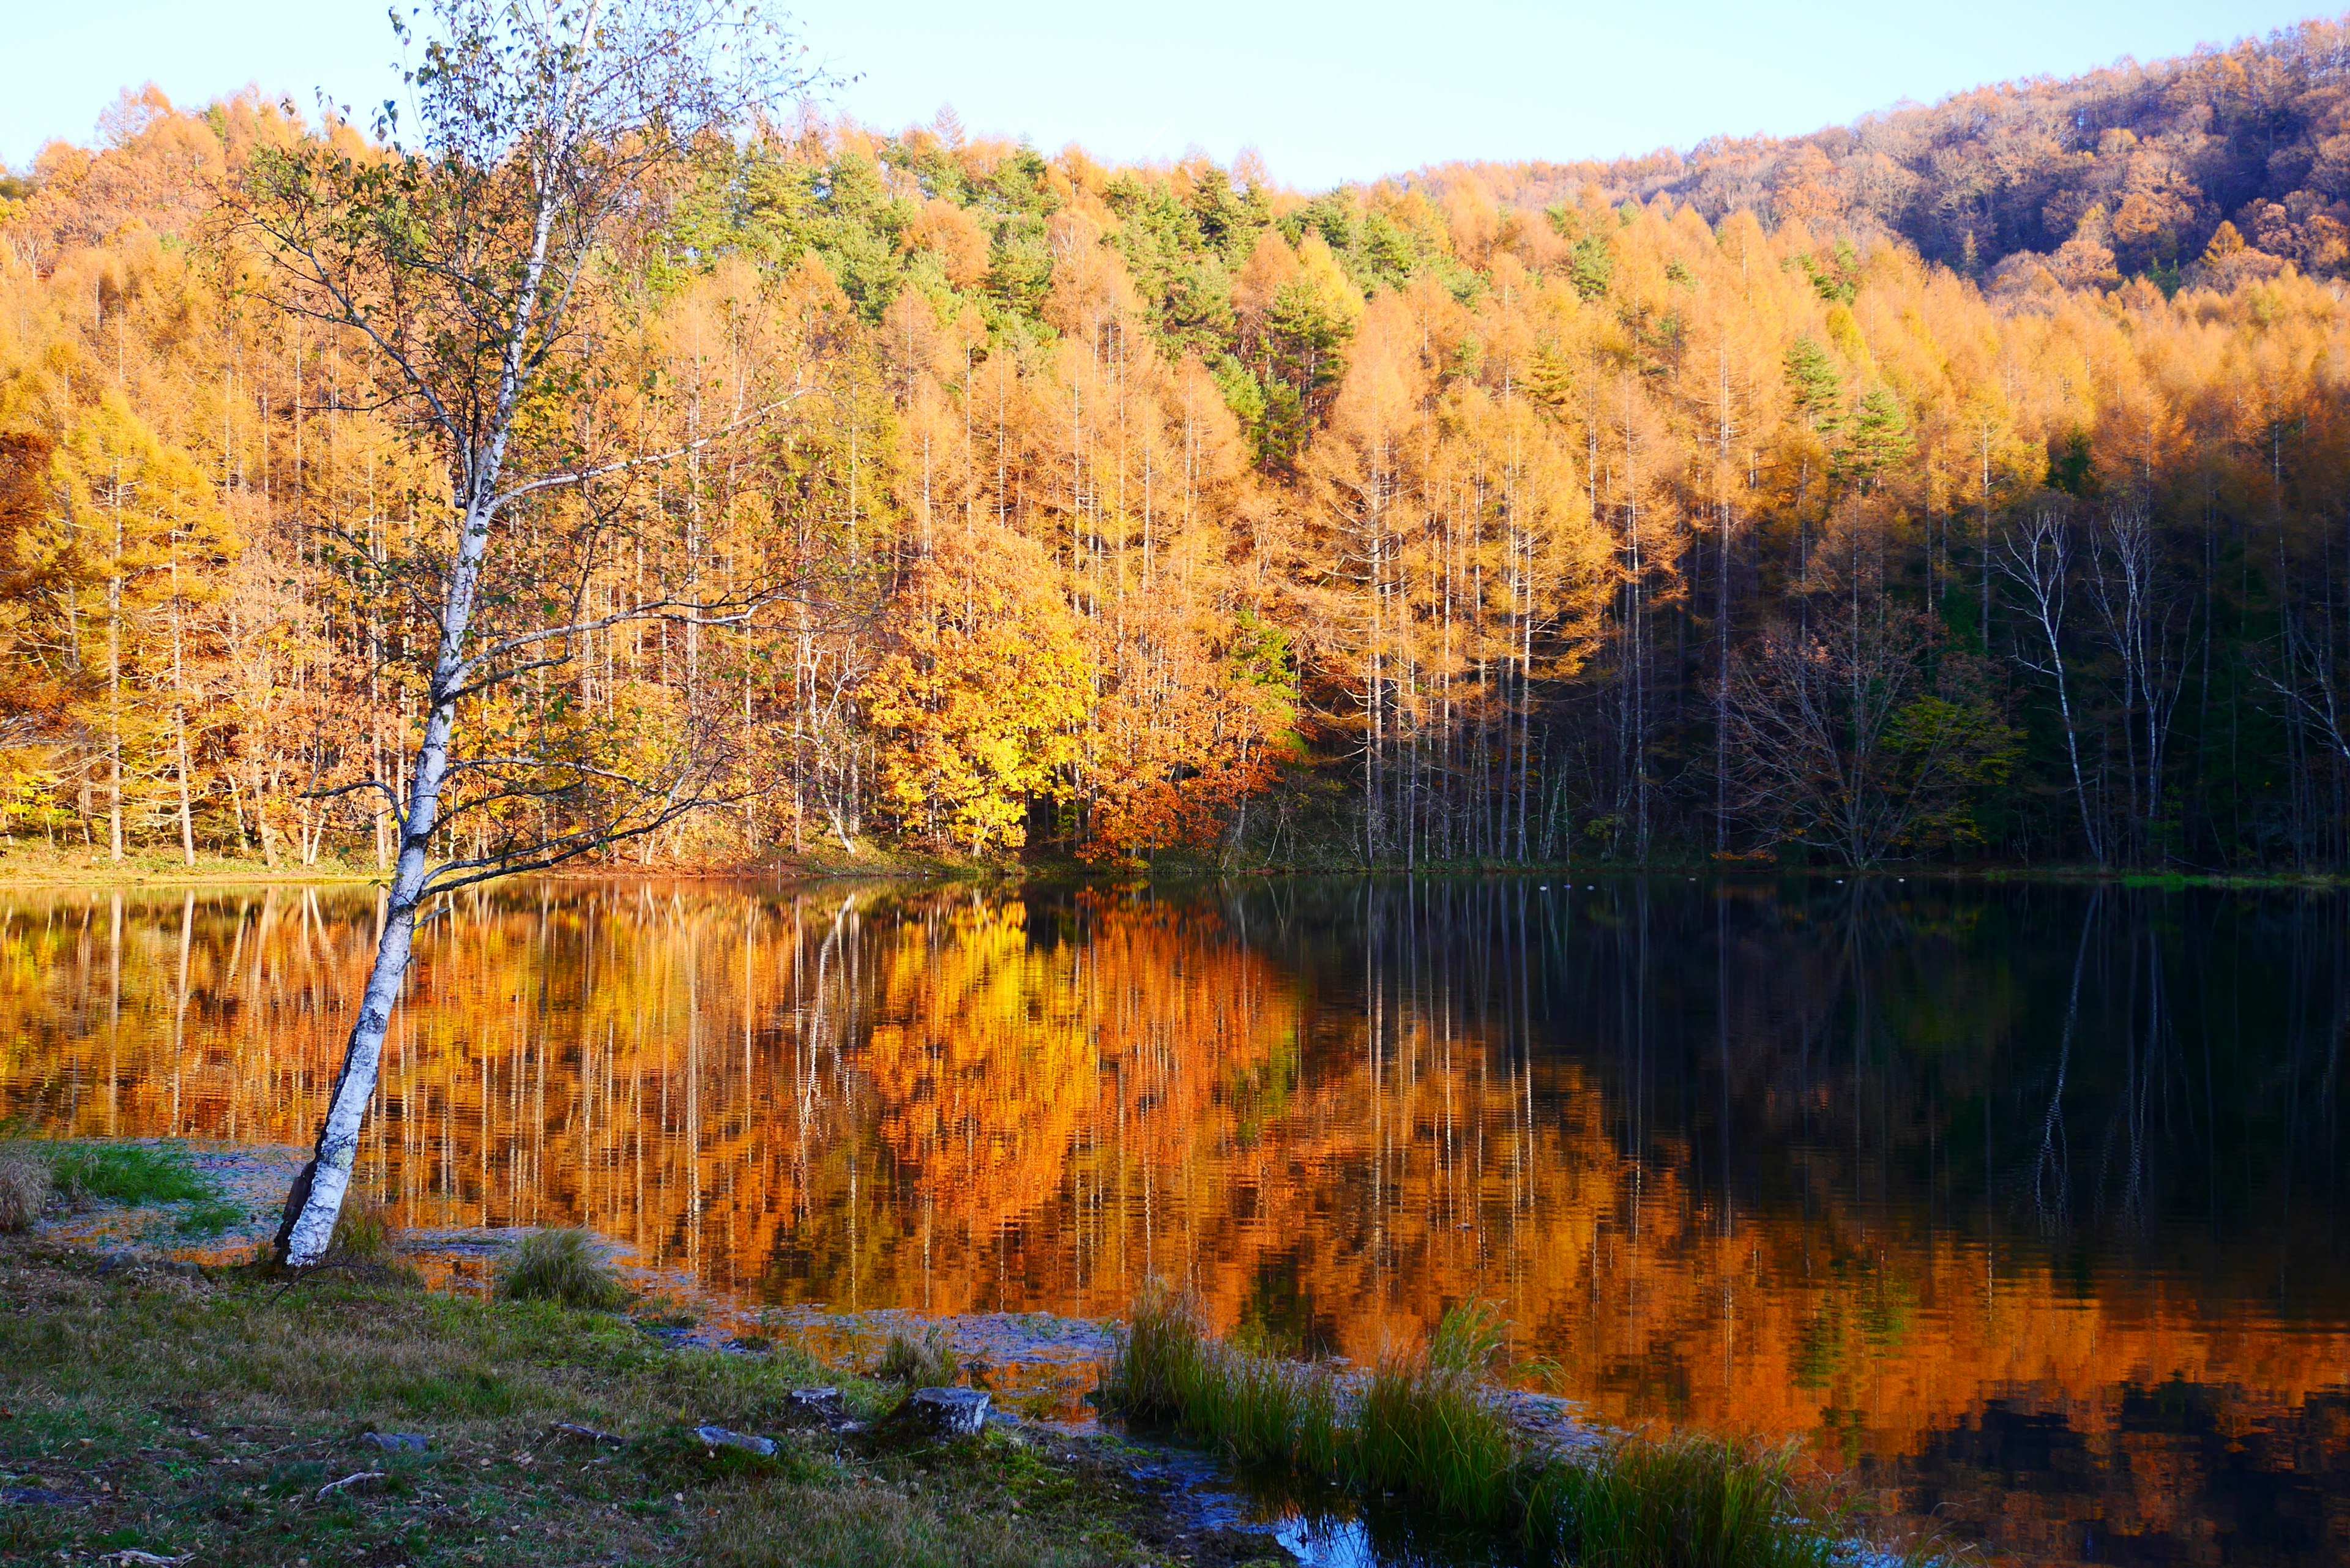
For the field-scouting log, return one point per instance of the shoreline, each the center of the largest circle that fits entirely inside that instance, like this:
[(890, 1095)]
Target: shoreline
[(169, 1397), (136, 1339), (45, 877)]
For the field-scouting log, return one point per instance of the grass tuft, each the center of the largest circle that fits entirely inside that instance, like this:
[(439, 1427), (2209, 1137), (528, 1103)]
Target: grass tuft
[(363, 1233), (23, 1188), (925, 1362), (1469, 1338), (560, 1266), (1684, 1502), (1424, 1428), (1427, 1429), (366, 1246), (1264, 1412)]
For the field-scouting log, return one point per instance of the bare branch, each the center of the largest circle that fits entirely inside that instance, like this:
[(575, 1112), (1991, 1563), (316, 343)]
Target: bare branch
[(584, 475), (390, 795)]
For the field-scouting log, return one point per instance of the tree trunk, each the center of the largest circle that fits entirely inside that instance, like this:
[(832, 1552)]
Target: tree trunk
[(114, 707), (317, 1199), (187, 813)]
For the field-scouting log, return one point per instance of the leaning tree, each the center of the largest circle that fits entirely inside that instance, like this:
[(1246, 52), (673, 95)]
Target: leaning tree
[(469, 259)]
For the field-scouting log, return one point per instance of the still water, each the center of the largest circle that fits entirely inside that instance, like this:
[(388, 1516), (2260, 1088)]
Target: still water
[(2025, 1203)]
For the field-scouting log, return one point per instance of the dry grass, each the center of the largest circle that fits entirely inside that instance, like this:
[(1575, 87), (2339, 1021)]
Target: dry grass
[(24, 1189), (560, 1266)]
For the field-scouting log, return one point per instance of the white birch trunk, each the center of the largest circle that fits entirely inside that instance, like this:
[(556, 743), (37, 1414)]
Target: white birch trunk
[(315, 1201)]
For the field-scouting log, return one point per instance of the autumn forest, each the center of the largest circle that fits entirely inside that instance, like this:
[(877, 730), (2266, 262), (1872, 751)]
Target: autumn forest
[(1968, 485)]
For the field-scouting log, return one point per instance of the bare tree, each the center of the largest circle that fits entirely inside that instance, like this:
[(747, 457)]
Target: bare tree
[(2152, 635), (1854, 739), (2313, 670), (2038, 559), (467, 269)]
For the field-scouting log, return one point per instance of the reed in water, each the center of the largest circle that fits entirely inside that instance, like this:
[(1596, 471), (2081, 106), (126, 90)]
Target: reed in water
[(1426, 1428)]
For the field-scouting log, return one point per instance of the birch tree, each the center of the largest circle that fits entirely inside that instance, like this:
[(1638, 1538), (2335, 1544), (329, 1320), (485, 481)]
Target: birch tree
[(469, 270), (2038, 561)]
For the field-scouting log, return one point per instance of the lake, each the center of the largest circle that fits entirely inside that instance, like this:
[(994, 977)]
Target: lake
[(2023, 1201)]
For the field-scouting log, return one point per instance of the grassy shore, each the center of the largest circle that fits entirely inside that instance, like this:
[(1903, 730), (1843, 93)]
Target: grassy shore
[(152, 1406), (171, 1410), (1425, 1429)]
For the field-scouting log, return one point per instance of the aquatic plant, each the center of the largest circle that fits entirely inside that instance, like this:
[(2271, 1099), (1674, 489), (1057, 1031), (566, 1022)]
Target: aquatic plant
[(1425, 1427), (1684, 1501), (1262, 1411), (560, 1266)]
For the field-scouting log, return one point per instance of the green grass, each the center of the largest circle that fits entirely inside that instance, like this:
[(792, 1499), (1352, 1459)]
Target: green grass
[(130, 1174), (1425, 1427), (1430, 1432), (1690, 1501), (135, 1176), (560, 1266), (202, 1415), (207, 1217), (814, 1526)]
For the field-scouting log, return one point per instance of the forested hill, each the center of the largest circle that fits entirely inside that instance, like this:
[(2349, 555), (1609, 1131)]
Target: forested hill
[(1159, 510), (2119, 172)]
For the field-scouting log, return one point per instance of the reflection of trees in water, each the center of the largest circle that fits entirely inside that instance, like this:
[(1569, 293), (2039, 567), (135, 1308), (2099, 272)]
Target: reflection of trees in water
[(2189, 1472), (2090, 1063), (1804, 1158), (2042, 1144)]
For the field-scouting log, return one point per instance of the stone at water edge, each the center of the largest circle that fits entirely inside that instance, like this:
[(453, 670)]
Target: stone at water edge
[(952, 1412), (719, 1437), (824, 1404)]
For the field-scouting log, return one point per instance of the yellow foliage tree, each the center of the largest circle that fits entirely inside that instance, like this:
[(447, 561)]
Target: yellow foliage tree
[(977, 700)]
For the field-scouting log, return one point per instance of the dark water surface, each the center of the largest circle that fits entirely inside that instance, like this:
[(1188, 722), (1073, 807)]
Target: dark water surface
[(2026, 1202)]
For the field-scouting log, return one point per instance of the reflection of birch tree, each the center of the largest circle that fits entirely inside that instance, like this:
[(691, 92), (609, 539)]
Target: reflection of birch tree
[(2052, 1169)]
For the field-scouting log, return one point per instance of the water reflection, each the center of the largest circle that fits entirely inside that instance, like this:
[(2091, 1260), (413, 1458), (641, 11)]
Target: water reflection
[(2024, 1200)]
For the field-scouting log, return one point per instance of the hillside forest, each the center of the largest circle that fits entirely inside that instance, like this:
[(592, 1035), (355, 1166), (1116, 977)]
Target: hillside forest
[(1968, 485)]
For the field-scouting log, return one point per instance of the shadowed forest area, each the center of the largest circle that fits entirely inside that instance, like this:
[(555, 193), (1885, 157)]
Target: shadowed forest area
[(1966, 485)]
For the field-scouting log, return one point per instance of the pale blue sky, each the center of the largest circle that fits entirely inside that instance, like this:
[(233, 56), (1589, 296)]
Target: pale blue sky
[(1328, 90)]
